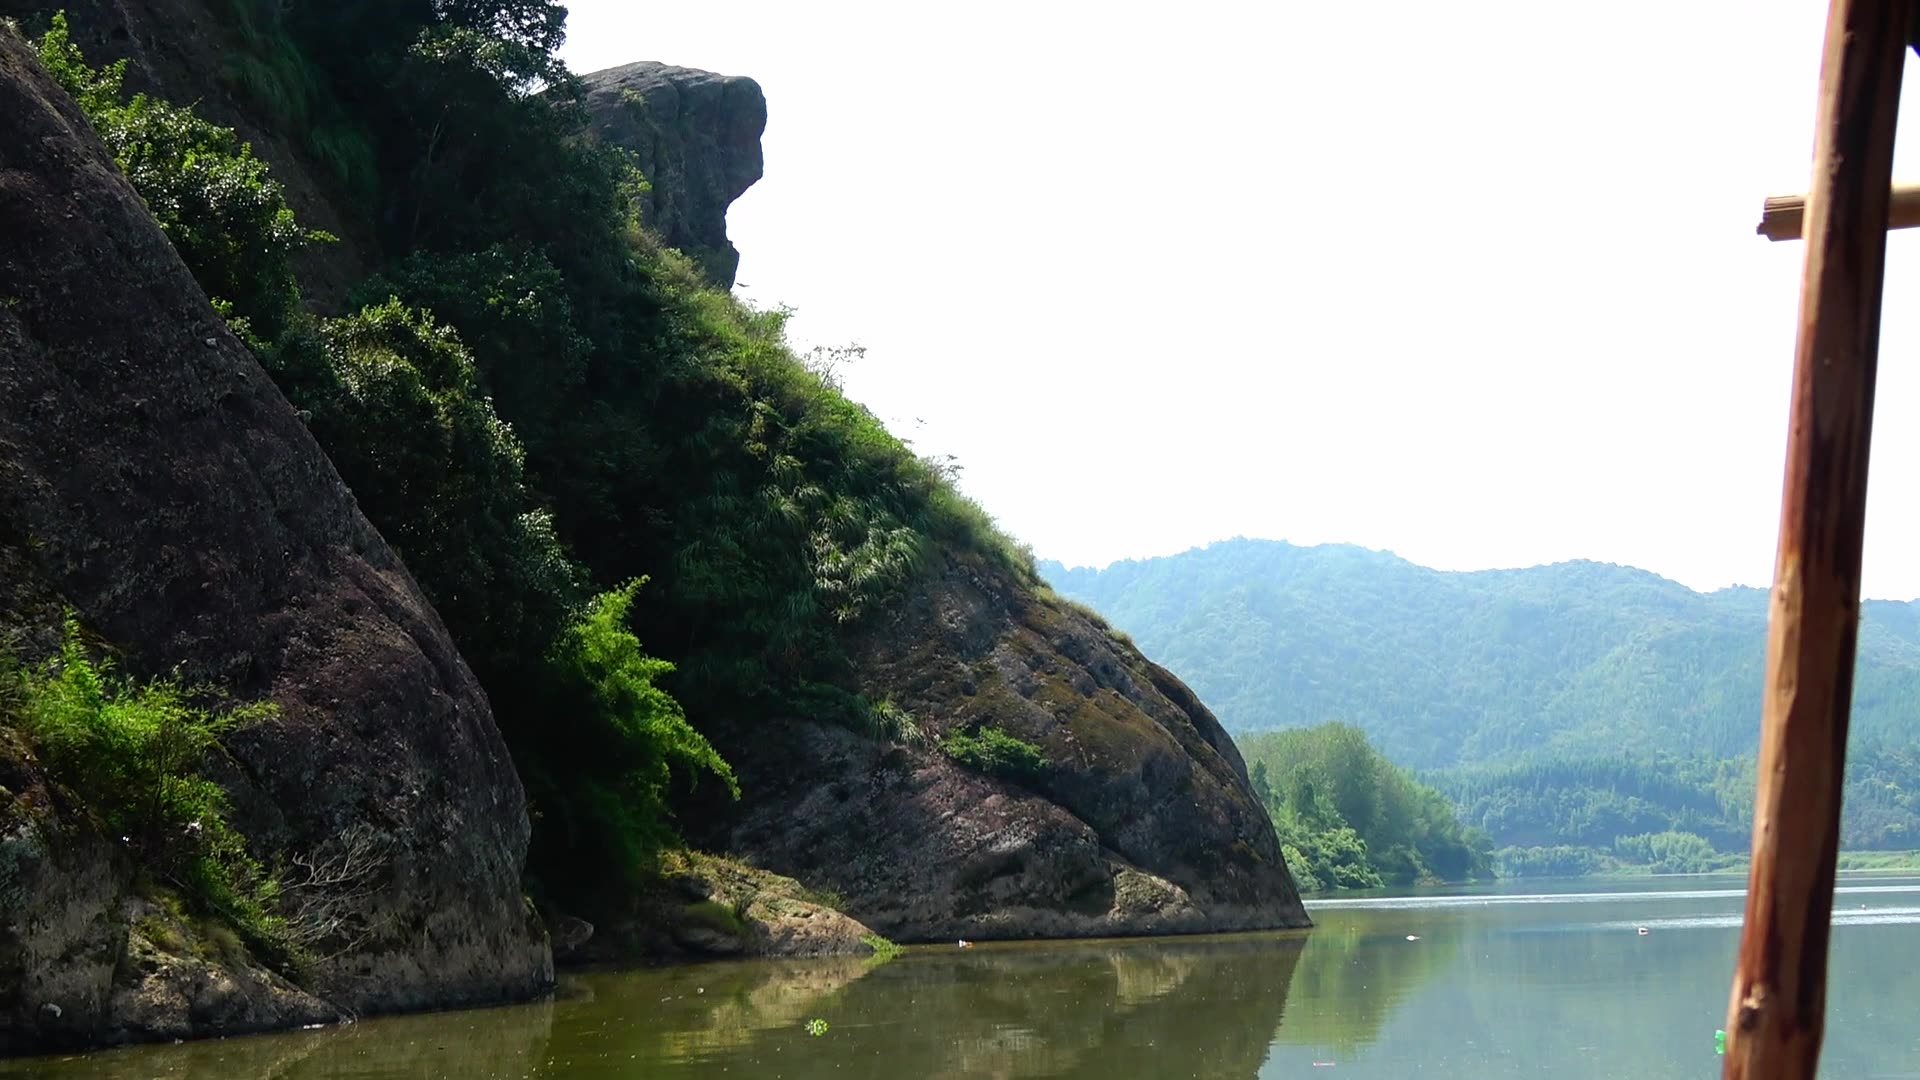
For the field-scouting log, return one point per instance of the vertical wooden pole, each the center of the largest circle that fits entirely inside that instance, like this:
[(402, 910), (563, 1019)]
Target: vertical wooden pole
[(1775, 1018)]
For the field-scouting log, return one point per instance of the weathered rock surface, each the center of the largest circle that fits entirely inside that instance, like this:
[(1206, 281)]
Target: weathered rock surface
[(1143, 822), (697, 137), (152, 477), (704, 907), (61, 929)]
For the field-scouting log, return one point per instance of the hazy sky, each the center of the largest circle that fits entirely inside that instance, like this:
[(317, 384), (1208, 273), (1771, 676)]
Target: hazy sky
[(1476, 283)]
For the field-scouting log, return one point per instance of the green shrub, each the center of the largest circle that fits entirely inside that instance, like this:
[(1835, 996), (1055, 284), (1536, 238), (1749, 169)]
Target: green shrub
[(392, 395), (133, 752), (1672, 852), (827, 898), (599, 768), (883, 949), (714, 915), (891, 723), (996, 753), (225, 216)]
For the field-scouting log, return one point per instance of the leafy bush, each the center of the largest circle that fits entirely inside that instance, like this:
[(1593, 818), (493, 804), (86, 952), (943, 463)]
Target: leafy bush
[(891, 723), (225, 216), (996, 753), (515, 316), (883, 948), (1558, 860), (607, 751), (1323, 858), (1672, 853), (393, 398), (134, 751)]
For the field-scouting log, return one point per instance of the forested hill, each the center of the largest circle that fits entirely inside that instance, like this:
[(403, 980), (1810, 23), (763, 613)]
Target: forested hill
[(1454, 668), (1572, 703)]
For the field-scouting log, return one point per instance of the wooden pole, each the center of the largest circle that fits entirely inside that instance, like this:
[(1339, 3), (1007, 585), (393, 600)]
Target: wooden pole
[(1778, 1005), (1782, 216)]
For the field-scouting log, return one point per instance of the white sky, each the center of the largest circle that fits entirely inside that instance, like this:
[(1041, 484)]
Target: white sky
[(1475, 282)]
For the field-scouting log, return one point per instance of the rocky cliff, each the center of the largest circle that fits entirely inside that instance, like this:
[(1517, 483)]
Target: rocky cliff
[(1142, 821), (696, 136), (153, 478)]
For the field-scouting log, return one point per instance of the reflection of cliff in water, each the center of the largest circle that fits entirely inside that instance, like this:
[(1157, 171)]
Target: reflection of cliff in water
[(1146, 1008), (509, 1041), (1171, 1007), (699, 1012)]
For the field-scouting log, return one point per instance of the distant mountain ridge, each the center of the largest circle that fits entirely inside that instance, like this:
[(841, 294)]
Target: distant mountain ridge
[(1445, 668)]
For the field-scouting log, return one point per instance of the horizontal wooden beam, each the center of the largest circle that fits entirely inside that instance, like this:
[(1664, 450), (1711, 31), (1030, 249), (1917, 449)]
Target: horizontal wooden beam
[(1784, 215)]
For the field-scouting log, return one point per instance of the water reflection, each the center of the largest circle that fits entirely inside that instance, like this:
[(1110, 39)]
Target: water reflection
[(1129, 1008), (1140, 1008), (1561, 982), (479, 1043), (1464, 984)]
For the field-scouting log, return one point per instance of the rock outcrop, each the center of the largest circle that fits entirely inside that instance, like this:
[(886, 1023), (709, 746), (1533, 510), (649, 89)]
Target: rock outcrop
[(696, 136), (153, 478), (1143, 820), (704, 907)]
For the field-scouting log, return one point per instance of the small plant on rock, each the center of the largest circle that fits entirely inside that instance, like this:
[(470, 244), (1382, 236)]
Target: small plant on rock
[(996, 753)]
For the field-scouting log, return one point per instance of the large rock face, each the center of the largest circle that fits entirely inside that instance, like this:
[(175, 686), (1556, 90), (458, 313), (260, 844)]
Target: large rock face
[(1143, 822), (152, 477), (697, 138)]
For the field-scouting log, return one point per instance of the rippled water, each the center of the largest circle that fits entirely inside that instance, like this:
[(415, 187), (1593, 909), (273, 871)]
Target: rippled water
[(1514, 981)]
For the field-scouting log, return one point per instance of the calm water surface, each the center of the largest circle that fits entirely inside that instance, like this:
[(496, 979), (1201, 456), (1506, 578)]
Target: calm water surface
[(1524, 979)]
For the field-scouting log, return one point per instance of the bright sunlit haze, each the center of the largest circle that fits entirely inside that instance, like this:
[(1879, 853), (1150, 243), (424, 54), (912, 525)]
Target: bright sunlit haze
[(1406, 276)]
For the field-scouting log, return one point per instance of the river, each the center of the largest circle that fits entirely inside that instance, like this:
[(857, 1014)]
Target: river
[(1521, 979)]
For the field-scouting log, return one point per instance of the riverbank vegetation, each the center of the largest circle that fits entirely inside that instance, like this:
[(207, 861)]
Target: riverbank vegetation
[(1350, 819)]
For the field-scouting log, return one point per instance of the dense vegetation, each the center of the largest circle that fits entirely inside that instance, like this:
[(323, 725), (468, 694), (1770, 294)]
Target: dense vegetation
[(135, 752), (1571, 711), (996, 753), (538, 406), (1350, 819)]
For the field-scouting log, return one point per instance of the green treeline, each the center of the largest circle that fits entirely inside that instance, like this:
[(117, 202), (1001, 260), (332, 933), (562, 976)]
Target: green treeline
[(1350, 819), (1563, 815), (539, 406), (1550, 802)]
